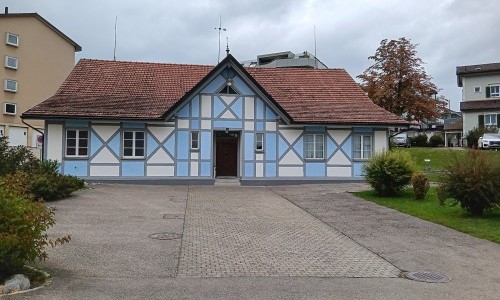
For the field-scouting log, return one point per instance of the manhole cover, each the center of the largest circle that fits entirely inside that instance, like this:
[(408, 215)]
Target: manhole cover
[(427, 276), (173, 216), (165, 236)]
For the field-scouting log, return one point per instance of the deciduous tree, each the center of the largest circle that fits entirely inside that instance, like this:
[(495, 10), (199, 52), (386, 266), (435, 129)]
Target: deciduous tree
[(397, 81)]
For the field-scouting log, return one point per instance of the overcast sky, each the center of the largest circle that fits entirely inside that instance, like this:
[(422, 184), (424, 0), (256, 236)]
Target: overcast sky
[(449, 33)]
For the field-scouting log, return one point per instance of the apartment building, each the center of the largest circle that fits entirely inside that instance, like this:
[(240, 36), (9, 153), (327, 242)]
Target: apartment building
[(480, 104), (36, 58)]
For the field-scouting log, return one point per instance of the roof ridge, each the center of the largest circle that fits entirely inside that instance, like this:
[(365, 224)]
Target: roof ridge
[(143, 62)]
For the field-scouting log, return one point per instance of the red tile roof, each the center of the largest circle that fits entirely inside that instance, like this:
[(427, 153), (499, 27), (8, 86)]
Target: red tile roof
[(488, 104), (137, 90)]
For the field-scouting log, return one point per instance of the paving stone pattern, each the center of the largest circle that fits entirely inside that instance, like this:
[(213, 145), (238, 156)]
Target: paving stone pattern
[(236, 231)]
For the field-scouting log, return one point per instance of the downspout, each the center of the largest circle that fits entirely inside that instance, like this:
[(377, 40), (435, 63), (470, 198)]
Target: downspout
[(43, 137)]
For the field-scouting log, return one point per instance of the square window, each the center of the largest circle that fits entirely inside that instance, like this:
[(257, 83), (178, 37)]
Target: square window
[(477, 89), (495, 91), (133, 144), (490, 120), (12, 39), (77, 142), (314, 146), (195, 140), (10, 85), (259, 141), (11, 62), (9, 108)]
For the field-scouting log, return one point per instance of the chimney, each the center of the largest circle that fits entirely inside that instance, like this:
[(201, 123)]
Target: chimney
[(6, 10)]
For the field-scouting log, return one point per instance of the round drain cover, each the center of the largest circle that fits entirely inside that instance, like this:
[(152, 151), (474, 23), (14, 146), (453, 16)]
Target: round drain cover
[(427, 276), (165, 236)]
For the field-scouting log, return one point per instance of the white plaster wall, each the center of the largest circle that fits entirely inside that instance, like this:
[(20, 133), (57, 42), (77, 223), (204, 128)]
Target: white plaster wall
[(249, 107), (470, 119), (291, 171), (54, 145), (105, 131), (104, 170), (194, 168), (469, 82), (160, 171), (339, 172), (206, 106), (259, 170), (380, 141)]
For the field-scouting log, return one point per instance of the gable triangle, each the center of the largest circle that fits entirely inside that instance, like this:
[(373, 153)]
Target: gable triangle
[(291, 159), (104, 156), (160, 157), (339, 159), (228, 115)]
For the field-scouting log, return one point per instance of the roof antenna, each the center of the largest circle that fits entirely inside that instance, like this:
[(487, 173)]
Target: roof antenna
[(227, 46), (219, 29), (114, 51), (315, 59)]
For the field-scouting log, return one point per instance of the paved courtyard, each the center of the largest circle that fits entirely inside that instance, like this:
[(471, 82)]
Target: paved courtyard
[(283, 242)]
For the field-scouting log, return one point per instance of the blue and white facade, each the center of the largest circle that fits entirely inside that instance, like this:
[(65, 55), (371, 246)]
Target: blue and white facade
[(185, 144)]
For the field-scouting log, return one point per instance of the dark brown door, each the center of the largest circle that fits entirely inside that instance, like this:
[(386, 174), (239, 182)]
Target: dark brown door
[(226, 150)]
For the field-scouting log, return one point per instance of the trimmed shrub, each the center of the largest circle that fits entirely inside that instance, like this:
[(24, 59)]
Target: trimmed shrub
[(420, 185), (52, 187), (419, 140), (388, 172), (23, 226), (436, 140), (473, 182)]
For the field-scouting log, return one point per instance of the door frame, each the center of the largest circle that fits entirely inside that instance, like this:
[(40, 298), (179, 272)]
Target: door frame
[(238, 149)]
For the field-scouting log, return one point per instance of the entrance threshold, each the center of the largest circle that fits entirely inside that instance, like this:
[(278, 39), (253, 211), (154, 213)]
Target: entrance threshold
[(227, 181)]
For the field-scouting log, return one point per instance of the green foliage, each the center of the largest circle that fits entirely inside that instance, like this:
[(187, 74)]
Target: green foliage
[(14, 159), (388, 172), (475, 133), (420, 185), (436, 140), (420, 140), (473, 182), (23, 226), (52, 187)]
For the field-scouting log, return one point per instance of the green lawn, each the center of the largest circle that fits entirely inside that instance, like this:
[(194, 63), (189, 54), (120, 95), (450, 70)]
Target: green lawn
[(486, 227), (440, 158)]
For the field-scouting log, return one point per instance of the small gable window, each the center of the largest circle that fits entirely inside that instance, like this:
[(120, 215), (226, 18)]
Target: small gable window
[(133, 144), (259, 141), (195, 140), (228, 89)]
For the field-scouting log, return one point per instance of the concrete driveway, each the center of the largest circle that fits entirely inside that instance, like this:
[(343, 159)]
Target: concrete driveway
[(288, 242)]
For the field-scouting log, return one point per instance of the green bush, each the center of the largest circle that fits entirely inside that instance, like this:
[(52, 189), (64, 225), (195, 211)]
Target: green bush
[(473, 182), (419, 140), (14, 159), (475, 133), (52, 187), (23, 226), (420, 185), (388, 172), (436, 140)]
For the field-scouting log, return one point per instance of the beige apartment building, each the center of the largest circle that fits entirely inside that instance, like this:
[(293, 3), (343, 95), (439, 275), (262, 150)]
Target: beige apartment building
[(36, 58)]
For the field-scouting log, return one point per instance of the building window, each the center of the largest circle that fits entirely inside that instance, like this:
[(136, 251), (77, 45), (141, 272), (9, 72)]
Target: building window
[(477, 89), (12, 39), (259, 141), (362, 146), (495, 91), (490, 120), (9, 108), (195, 140), (11, 62), (315, 146), (10, 85), (133, 144), (77, 142)]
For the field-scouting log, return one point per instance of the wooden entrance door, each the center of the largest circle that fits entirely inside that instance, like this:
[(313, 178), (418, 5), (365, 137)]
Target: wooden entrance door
[(226, 151)]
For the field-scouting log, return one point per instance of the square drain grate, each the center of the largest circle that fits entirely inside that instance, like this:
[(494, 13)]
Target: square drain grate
[(427, 276)]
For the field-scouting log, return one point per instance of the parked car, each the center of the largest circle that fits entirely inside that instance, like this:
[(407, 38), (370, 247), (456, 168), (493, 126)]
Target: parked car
[(489, 141), (401, 141)]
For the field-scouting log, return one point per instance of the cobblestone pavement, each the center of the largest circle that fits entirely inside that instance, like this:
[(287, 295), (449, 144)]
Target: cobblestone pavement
[(236, 231)]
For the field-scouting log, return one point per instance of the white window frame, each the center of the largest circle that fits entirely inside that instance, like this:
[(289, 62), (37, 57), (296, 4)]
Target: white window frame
[(315, 137), (7, 65), (490, 117), (7, 39), (77, 146), (259, 139), (5, 85), (363, 154), (496, 93), (477, 89), (134, 147), (195, 140), (5, 112)]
